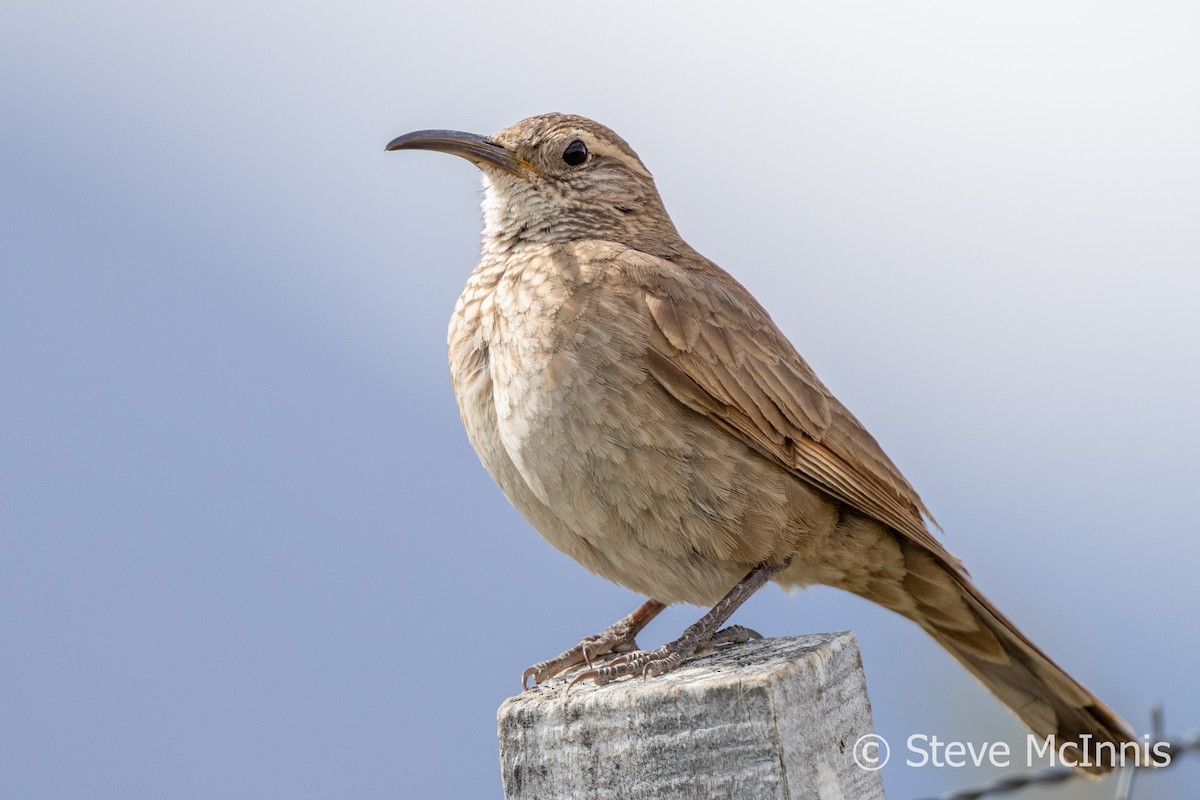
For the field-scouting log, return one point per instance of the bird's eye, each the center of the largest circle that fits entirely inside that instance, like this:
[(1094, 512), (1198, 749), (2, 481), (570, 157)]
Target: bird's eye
[(575, 154)]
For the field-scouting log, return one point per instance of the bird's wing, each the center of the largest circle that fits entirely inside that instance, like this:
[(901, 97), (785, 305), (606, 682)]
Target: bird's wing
[(715, 349)]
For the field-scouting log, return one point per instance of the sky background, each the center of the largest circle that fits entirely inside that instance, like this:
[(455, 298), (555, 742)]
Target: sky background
[(245, 548)]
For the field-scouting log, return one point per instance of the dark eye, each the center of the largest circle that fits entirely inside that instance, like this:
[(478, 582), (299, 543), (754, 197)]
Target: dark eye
[(575, 154)]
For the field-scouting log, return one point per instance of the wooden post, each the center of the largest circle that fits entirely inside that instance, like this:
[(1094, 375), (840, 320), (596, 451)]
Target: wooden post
[(775, 718)]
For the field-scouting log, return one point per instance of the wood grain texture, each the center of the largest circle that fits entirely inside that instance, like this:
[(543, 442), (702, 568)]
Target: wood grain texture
[(774, 718)]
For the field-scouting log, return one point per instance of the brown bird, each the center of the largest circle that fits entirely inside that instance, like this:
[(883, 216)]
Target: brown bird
[(639, 407)]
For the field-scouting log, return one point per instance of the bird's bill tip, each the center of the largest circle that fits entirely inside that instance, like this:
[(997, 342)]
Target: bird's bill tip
[(479, 150)]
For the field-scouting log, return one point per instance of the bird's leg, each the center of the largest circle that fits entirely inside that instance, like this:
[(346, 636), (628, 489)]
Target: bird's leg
[(616, 638), (702, 636)]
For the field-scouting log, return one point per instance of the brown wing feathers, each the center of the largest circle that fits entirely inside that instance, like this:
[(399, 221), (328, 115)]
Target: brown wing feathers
[(731, 367)]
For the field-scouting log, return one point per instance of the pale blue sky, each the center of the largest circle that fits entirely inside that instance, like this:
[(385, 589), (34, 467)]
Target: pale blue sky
[(245, 548)]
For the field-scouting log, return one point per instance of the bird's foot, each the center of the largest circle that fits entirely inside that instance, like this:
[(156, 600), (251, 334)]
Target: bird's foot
[(702, 636), (609, 641), (652, 663), (617, 638)]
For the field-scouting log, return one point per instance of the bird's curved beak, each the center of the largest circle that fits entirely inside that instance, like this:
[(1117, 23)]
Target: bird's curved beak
[(479, 150)]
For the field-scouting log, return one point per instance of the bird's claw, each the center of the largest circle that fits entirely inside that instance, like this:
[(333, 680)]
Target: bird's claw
[(651, 664), (586, 652), (616, 638)]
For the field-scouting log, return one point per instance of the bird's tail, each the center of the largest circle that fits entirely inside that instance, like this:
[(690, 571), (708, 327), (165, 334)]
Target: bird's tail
[(941, 599)]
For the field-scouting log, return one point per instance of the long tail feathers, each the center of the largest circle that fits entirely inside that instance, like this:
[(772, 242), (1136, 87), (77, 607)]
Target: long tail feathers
[(942, 600)]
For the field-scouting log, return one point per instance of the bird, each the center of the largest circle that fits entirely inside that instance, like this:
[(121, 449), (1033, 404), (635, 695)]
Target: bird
[(641, 409)]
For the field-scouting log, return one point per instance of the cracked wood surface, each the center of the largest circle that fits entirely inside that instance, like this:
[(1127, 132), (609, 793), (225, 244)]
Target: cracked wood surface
[(774, 718)]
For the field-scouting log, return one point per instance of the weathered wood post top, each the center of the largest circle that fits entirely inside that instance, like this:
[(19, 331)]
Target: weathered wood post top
[(775, 718)]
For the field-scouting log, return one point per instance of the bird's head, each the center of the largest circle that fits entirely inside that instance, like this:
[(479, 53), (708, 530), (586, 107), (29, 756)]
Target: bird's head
[(556, 178)]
